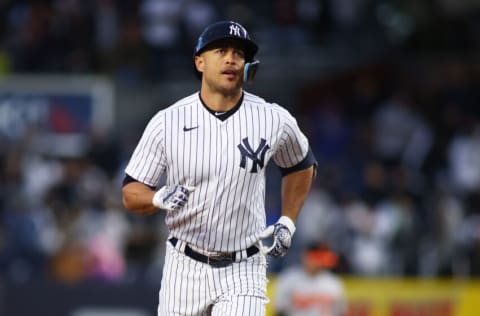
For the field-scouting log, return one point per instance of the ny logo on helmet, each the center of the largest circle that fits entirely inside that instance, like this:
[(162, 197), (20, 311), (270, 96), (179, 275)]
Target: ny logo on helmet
[(235, 30), (247, 152)]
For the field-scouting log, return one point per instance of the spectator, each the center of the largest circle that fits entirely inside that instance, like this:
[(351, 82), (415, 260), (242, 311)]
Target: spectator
[(464, 161), (401, 135), (162, 33), (311, 288), (197, 14)]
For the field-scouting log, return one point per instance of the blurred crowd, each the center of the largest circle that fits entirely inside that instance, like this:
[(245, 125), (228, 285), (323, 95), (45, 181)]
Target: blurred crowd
[(143, 40), (398, 146), (133, 40), (398, 142)]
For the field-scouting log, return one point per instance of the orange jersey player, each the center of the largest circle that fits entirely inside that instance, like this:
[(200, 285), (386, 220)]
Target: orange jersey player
[(312, 289)]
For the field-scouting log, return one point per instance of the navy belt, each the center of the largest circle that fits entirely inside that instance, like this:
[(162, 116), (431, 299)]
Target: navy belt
[(217, 261)]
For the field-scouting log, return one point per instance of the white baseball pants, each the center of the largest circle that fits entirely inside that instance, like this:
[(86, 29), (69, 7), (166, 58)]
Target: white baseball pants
[(193, 288)]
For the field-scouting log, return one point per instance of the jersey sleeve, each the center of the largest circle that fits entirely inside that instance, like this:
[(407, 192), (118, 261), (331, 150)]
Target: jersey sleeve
[(147, 163), (293, 153)]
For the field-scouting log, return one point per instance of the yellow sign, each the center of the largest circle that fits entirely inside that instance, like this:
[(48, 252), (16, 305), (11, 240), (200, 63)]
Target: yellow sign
[(407, 297)]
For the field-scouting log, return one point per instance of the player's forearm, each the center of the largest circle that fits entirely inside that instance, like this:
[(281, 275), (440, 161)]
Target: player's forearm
[(295, 188), (137, 198)]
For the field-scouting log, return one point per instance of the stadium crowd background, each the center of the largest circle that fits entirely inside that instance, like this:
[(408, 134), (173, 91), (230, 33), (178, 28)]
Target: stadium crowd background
[(397, 136)]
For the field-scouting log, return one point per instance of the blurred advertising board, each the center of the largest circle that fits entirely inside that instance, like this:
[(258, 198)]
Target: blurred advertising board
[(407, 297), (57, 112)]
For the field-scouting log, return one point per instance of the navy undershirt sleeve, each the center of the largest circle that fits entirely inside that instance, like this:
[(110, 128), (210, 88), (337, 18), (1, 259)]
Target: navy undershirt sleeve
[(128, 179), (307, 162)]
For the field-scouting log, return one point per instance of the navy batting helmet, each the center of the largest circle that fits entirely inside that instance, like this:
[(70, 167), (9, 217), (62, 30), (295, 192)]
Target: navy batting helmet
[(224, 30), (230, 30)]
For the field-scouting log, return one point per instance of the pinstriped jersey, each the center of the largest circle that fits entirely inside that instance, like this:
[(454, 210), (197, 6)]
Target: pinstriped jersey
[(224, 160)]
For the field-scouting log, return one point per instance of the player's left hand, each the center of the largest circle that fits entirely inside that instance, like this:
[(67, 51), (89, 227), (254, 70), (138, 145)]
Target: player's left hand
[(282, 232)]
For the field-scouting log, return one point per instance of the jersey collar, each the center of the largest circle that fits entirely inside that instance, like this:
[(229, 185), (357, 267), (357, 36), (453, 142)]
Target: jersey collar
[(222, 116)]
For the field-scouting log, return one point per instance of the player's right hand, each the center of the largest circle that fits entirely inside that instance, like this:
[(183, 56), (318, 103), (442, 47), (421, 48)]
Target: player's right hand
[(172, 198)]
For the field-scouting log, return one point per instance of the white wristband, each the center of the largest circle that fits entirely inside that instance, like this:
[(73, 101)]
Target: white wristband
[(285, 220)]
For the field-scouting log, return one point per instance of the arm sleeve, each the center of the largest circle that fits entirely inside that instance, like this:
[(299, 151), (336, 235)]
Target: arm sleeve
[(127, 179), (147, 163), (307, 162)]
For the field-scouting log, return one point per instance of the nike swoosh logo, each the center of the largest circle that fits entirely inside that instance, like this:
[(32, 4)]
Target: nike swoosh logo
[(187, 129)]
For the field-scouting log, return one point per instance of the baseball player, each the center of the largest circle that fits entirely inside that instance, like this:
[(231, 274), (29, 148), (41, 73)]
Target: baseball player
[(213, 147), (312, 289)]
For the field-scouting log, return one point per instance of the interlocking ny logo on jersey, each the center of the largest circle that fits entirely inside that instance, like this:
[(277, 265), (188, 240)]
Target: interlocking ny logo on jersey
[(247, 152)]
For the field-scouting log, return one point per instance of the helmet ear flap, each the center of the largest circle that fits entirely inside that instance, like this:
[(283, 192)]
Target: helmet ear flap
[(250, 70)]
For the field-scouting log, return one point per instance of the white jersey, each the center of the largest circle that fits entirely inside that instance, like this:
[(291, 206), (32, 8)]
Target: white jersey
[(224, 160), (300, 294)]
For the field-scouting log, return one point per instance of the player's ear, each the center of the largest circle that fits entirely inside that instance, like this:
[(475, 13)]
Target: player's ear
[(199, 63)]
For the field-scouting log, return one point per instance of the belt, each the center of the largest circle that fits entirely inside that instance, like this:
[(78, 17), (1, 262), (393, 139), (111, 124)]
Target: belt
[(221, 260)]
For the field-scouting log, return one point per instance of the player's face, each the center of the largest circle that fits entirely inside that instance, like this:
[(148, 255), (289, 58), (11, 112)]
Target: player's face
[(222, 67)]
